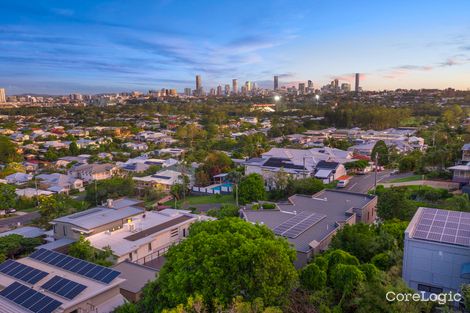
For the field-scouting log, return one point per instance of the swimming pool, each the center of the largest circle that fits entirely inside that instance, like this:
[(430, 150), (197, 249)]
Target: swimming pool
[(219, 187)]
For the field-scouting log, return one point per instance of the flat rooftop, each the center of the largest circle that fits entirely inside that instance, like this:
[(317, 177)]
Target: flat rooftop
[(124, 241), (98, 216), (331, 208)]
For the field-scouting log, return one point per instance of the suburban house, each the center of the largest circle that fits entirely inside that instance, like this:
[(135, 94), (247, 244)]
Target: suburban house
[(48, 281), (32, 192), (297, 163), (310, 222), (437, 251), (136, 276), (329, 171), (461, 171), (144, 238), (96, 220), (59, 183), (92, 172), (162, 180), (143, 163), (18, 178)]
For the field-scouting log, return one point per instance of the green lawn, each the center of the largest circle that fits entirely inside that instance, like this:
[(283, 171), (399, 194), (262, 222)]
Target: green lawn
[(192, 200), (406, 179)]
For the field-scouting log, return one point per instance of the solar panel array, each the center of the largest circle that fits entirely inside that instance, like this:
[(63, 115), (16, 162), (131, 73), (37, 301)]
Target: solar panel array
[(298, 224), (29, 298), (89, 270), (443, 226), (63, 287), (22, 272)]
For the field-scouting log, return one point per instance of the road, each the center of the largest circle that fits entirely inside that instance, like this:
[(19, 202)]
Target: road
[(22, 219), (363, 183)]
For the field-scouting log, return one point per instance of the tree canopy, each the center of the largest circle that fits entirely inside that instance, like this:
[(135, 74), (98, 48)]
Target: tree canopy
[(251, 189)]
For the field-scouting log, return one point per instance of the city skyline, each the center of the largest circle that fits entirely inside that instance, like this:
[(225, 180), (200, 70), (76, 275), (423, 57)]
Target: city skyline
[(96, 46)]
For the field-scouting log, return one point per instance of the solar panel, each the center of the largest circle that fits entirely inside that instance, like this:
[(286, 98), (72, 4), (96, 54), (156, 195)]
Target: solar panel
[(298, 229), (22, 272), (63, 287), (29, 299), (77, 266), (443, 226), (280, 229)]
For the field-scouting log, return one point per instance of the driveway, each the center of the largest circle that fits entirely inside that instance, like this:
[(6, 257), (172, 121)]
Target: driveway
[(22, 219)]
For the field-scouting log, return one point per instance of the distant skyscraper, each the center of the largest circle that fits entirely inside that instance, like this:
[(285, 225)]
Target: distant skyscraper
[(310, 84), (187, 91), (302, 88), (219, 90), (227, 89), (2, 95), (336, 83), (346, 87), (248, 85), (276, 82), (198, 85), (212, 92), (234, 86), (356, 86)]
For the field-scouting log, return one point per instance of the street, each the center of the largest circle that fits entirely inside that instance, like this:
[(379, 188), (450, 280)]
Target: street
[(22, 219), (364, 183)]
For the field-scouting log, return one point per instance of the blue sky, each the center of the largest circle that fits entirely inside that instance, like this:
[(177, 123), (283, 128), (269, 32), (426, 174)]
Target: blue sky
[(91, 46)]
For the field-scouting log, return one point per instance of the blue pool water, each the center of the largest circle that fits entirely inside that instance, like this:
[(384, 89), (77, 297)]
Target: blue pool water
[(222, 185)]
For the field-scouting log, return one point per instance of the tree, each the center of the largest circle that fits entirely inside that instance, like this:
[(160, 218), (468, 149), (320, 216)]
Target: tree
[(312, 277), (73, 148), (304, 186), (252, 188), (393, 203), (227, 210), (215, 163), (7, 196), (83, 249), (109, 188), (223, 259), (381, 150), (8, 151), (12, 246)]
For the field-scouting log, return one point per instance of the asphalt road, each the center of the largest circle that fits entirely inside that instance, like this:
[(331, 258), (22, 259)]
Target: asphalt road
[(23, 219), (364, 183)]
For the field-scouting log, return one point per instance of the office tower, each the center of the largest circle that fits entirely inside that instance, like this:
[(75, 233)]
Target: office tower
[(219, 90), (302, 88), (2, 95), (187, 92), (212, 92), (276, 82), (356, 87), (244, 90), (227, 89), (310, 84), (198, 85), (255, 86), (248, 85), (346, 87), (234, 86), (336, 83)]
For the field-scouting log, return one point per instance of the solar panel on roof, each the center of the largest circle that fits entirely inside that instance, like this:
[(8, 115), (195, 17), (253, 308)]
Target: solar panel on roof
[(64, 287), (29, 298), (22, 272), (77, 266), (280, 229), (444, 226), (301, 227)]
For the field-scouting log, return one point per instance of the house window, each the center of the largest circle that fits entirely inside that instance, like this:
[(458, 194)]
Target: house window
[(184, 232), (130, 256), (430, 289), (150, 246), (55, 229), (65, 230), (174, 232)]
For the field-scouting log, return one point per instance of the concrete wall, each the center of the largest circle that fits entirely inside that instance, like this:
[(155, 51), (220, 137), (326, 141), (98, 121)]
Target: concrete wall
[(434, 264)]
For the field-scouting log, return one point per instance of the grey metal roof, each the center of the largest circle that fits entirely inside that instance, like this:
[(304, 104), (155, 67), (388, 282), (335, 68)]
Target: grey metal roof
[(136, 275), (336, 205), (95, 217)]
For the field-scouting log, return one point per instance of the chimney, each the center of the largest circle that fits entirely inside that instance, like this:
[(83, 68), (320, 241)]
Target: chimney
[(110, 203)]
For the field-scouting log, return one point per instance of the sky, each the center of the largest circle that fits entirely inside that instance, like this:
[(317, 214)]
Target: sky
[(94, 46)]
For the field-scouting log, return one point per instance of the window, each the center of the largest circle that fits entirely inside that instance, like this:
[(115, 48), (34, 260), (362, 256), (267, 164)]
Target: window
[(130, 256), (55, 229), (65, 230), (150, 246), (184, 232), (430, 289), (174, 232)]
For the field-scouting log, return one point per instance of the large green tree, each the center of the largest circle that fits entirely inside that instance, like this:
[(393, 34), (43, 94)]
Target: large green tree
[(7, 196), (380, 150), (251, 189), (223, 259), (8, 151)]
